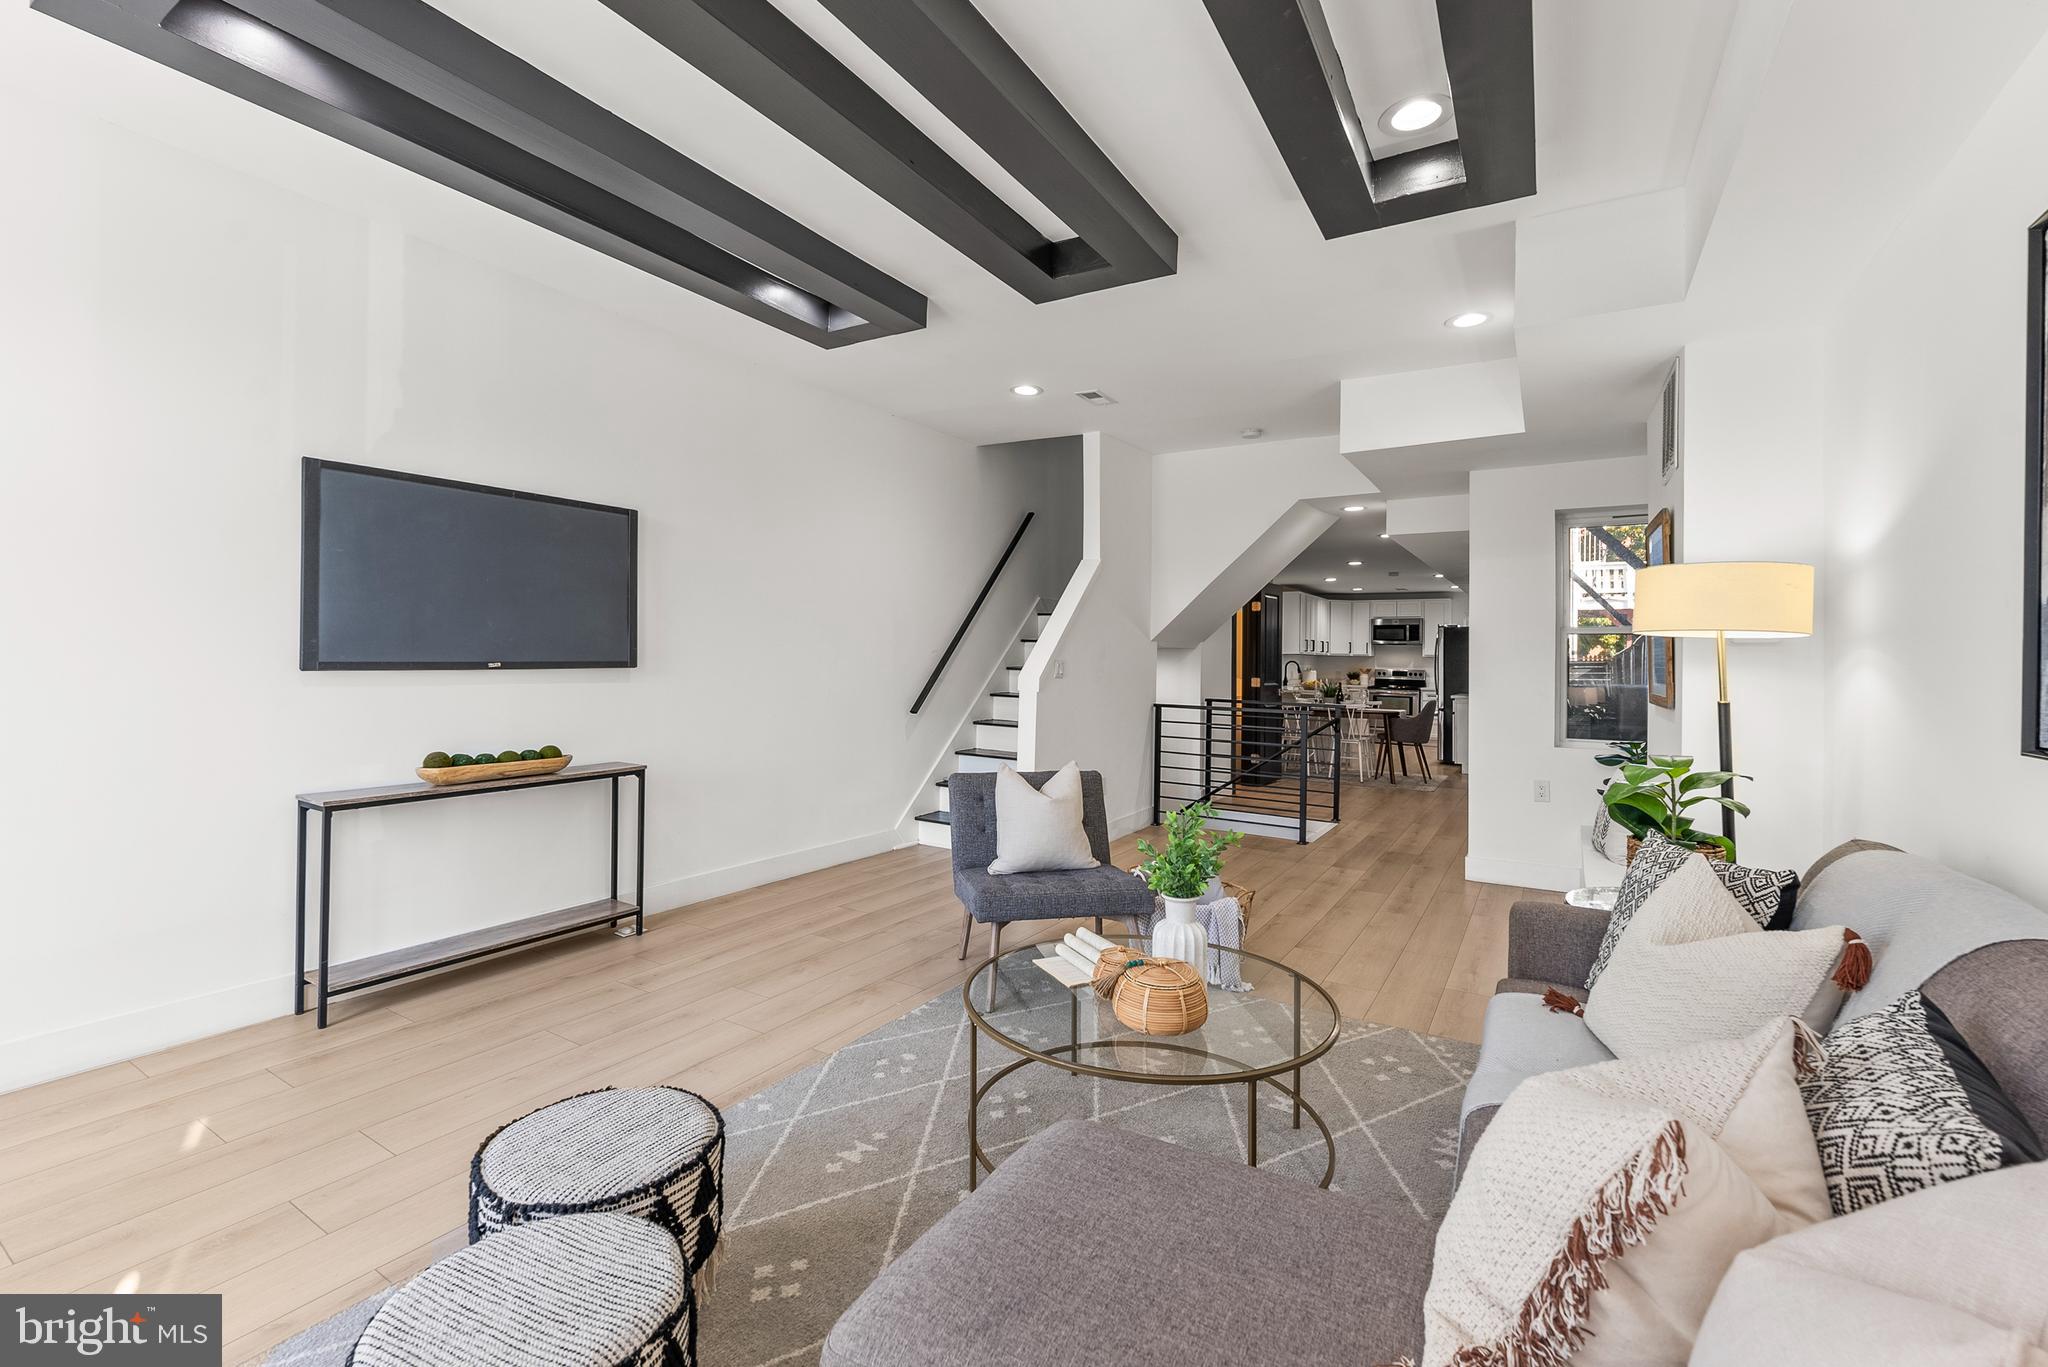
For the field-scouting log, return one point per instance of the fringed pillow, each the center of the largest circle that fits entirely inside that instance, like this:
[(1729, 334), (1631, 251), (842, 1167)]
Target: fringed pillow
[(1693, 966), (1766, 896), (1603, 1204)]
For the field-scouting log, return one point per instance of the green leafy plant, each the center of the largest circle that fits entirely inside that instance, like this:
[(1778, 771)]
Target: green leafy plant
[(1625, 752), (1192, 855), (1330, 688), (1658, 792)]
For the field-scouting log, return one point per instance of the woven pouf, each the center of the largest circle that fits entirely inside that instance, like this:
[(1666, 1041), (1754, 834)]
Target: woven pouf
[(653, 1152), (584, 1291)]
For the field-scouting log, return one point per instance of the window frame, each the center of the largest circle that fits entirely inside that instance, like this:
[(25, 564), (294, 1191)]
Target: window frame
[(1568, 520)]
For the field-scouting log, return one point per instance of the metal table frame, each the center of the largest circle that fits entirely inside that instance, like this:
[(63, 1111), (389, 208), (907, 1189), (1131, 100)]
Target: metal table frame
[(1067, 1057), (475, 945)]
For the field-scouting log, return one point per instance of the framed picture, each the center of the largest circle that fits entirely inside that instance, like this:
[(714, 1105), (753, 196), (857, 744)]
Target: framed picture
[(2033, 674), (1667, 435), (1661, 548)]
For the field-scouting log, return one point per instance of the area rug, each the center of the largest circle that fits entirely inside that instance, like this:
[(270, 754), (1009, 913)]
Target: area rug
[(833, 1172)]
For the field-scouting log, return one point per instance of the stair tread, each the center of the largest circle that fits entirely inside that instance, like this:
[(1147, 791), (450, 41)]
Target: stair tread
[(993, 721), (979, 753), (936, 818), (942, 783), (1003, 693), (1027, 640)]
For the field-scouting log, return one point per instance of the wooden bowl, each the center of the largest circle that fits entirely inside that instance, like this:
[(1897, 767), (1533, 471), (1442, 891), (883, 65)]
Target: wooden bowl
[(1161, 997), (477, 773)]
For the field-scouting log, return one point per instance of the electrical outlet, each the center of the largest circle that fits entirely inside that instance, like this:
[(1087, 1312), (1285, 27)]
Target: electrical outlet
[(1543, 790), (1059, 669)]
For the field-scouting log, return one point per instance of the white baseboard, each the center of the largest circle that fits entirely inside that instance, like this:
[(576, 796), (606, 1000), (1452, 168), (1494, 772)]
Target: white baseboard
[(1516, 873), (74, 1049)]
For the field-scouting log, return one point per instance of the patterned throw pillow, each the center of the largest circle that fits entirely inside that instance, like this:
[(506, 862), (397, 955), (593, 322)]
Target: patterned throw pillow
[(1766, 895), (1889, 1112), (1603, 827), (1694, 967)]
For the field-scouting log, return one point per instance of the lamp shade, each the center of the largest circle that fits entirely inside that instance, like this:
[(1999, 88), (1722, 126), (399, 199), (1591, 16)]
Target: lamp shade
[(1760, 600)]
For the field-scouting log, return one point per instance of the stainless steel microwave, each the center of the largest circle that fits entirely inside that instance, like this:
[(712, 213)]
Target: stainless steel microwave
[(1396, 631)]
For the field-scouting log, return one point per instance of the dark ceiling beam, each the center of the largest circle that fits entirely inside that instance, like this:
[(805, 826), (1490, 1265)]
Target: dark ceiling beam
[(1284, 53), (955, 59), (402, 81)]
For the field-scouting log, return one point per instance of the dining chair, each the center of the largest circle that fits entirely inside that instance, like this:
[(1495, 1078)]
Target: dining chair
[(1404, 733), (1361, 729)]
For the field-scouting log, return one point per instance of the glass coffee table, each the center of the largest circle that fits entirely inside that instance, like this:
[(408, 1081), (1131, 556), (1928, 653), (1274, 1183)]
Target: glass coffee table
[(1284, 1023)]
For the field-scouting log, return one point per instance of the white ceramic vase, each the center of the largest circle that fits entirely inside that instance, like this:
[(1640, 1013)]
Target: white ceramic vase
[(1178, 935)]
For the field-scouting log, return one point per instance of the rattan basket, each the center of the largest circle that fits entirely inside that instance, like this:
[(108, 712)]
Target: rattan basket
[(1161, 997)]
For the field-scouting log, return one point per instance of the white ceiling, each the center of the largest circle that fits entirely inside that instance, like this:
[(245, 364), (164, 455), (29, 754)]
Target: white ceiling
[(1384, 568)]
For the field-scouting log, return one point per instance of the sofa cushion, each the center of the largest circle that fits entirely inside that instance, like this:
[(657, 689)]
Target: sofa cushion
[(1101, 891), (1766, 896), (1943, 1278), (1096, 1245), (1693, 965), (1679, 1161), (1523, 1038), (1889, 1113), (1916, 914), (1996, 997), (1038, 826)]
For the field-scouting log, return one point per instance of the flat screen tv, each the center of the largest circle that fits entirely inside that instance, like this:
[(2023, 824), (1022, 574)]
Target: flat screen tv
[(403, 571)]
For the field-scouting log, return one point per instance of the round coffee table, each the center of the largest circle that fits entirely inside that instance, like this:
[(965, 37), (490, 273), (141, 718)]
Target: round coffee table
[(1296, 1022)]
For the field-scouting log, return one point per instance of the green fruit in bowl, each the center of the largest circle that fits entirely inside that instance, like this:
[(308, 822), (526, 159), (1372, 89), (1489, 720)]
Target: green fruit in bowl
[(551, 752), (529, 754), (508, 757), (460, 760), (437, 760), (486, 757)]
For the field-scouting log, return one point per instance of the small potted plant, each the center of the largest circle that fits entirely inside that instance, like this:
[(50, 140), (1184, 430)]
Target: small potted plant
[(1331, 689), (1186, 872), (1655, 793)]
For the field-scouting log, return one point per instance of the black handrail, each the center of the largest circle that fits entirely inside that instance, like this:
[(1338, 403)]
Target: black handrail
[(968, 620), (1263, 724)]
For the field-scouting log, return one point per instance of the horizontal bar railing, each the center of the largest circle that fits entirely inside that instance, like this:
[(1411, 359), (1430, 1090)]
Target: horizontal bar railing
[(968, 620), (1254, 760)]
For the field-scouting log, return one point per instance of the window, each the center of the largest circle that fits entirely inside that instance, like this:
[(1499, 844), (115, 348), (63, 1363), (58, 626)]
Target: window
[(1604, 677)]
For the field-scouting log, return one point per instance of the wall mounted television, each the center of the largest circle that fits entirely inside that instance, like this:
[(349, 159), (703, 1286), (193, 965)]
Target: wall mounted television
[(401, 571)]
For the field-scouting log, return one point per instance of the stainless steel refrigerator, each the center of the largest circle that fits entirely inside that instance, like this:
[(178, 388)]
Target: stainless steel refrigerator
[(1453, 685)]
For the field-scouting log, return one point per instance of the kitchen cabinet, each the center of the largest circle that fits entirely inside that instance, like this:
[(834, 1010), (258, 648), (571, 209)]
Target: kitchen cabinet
[(1342, 642), (1319, 624), (1292, 633)]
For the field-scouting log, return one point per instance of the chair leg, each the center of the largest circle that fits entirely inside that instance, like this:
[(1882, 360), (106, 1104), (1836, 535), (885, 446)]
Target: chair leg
[(1098, 925), (966, 931), (995, 938), (1402, 752), (1422, 758)]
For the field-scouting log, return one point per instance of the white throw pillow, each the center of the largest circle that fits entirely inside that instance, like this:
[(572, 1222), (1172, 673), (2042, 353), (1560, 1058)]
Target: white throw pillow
[(1680, 1161), (1039, 830), (1693, 966)]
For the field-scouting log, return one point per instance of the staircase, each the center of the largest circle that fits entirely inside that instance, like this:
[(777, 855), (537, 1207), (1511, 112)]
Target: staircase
[(988, 742)]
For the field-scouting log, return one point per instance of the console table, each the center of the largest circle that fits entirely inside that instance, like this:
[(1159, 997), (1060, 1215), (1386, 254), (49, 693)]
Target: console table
[(329, 980)]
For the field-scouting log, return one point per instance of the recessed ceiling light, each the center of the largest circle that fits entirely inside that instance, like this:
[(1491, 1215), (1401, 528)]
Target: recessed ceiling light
[(1439, 576), (1354, 507), (1358, 588), (1025, 391), (1354, 563), (1415, 113), (1466, 320), (1385, 535), (1329, 579)]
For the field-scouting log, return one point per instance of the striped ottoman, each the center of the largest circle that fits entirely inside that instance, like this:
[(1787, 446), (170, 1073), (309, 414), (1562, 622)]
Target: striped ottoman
[(652, 1152), (582, 1291)]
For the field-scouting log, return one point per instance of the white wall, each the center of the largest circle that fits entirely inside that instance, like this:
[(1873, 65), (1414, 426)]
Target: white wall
[(1512, 721), (1198, 673), (1753, 490), (177, 335), (1925, 455), (1229, 519), (1088, 689)]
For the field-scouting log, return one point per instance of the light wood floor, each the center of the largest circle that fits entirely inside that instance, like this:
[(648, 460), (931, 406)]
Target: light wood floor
[(295, 1171)]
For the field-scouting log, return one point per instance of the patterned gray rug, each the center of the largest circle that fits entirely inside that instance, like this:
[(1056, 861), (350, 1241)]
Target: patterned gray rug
[(834, 1171)]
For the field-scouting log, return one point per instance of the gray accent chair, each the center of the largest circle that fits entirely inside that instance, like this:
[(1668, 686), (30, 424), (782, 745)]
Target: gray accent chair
[(996, 899)]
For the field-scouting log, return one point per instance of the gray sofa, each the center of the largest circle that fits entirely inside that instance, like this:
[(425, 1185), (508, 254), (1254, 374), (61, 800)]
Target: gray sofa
[(1038, 1268), (995, 900)]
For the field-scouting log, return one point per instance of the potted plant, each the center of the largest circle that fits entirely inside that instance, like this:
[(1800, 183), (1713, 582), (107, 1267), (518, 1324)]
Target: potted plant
[(1331, 689), (1655, 793), (1184, 873)]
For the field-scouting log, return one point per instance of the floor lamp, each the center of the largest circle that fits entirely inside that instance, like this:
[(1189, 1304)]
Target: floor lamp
[(1727, 600)]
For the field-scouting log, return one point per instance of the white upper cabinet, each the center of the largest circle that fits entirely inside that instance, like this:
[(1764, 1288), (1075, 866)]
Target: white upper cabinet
[(1342, 641)]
